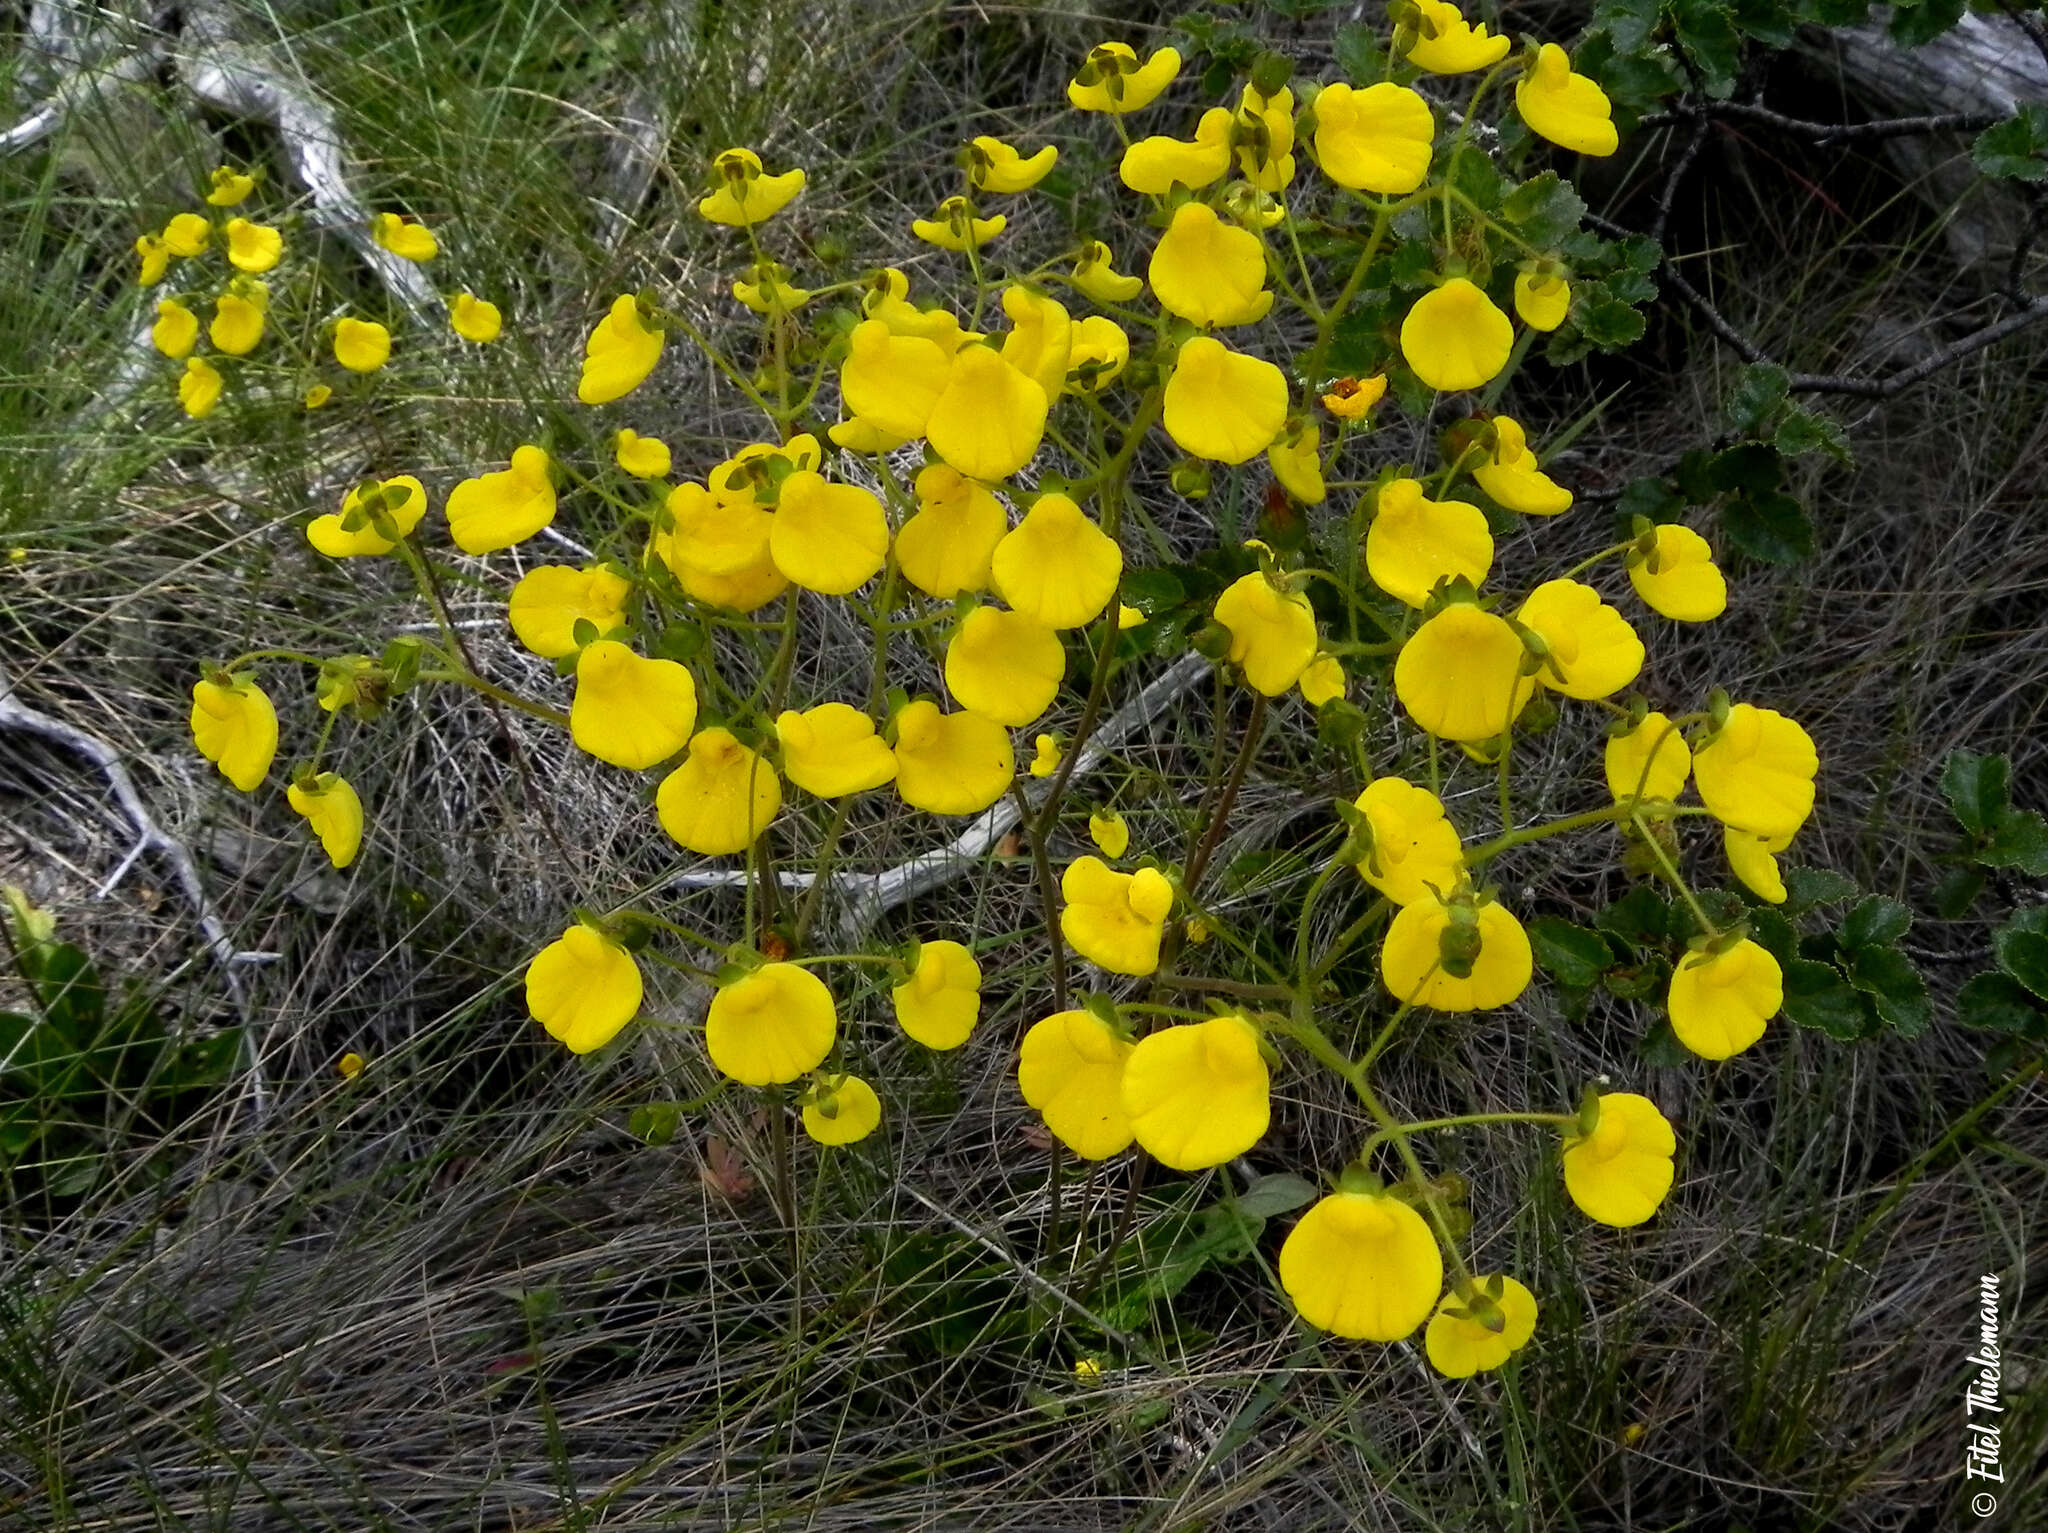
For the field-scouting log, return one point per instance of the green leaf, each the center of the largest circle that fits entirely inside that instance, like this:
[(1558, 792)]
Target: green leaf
[(2016, 149), (1359, 54), (1921, 21), (1655, 499), (1641, 918), (1957, 892), (1473, 173), (1768, 525), (1709, 38), (2022, 948), (1545, 208), (1874, 922), (69, 989), (1773, 933), (1804, 431), (1760, 390), (1571, 955), (1975, 787), (1888, 977), (655, 1123), (1817, 996), (1807, 888), (1612, 325), (1997, 1003), (1660, 1047), (2018, 839), (1280, 1193), (1651, 978)]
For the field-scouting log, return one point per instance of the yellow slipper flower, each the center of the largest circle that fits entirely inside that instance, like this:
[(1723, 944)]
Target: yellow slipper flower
[(238, 319), (953, 226), (350, 532), (742, 195), (361, 345), (945, 547), (833, 750), (494, 511), (235, 727), (1040, 340), (841, 1109), (1447, 44), (1460, 675), (620, 353), (1198, 1095), (951, 763), (1753, 859), (1720, 1002), (1156, 165), (1095, 274), (1100, 352), (1208, 272), (1511, 476), (828, 538), (720, 799), (1297, 462), (583, 988), (631, 712), (941, 1001), (1070, 1067), (1628, 753), (1593, 651), (1566, 108), (1414, 542), (1005, 666), (1362, 1265), (1046, 756), (771, 1027), (227, 187), (334, 813), (994, 166), (155, 256), (1109, 832), (989, 419), (199, 389), (1272, 632), (475, 319), (253, 247), (1430, 941), (1056, 566), (1416, 855), (1112, 919), (318, 395), (187, 234), (644, 457), (1542, 299), (1678, 579), (893, 381), (1454, 338), (551, 599), (1349, 398), (1477, 1331), (1222, 405), (406, 237), (1378, 139), (1263, 132), (766, 289), (1324, 681), (864, 436), (176, 330), (1620, 1173), (718, 552), (1756, 772), (1112, 80)]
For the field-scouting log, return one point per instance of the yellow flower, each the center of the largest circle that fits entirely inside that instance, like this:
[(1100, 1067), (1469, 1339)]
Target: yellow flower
[(318, 395), (1460, 675), (227, 187), (989, 419), (1719, 1002), (644, 457), (1096, 276), (475, 319), (742, 195), (1263, 131), (583, 987), (361, 345), (1209, 272), (1087, 1370), (187, 234), (1477, 1331), (494, 511), (1620, 1173), (863, 436), (1100, 351), (1128, 617), (828, 538), (253, 247), (944, 547), (333, 811), (1071, 1069), (1679, 578), (1041, 338), (720, 798), (1112, 837), (766, 289), (1511, 476), (1566, 108), (1056, 566), (350, 1065), (1112, 919), (1004, 665), (1223, 405), (155, 256), (1245, 204), (941, 1001), (743, 478), (892, 381), (1431, 941), (953, 226), (1198, 1095), (401, 499), (176, 330), (841, 1109), (718, 551), (1272, 632), (951, 763), (1754, 860), (1416, 855), (1156, 165), (1414, 542), (832, 750), (1630, 751), (238, 318), (1324, 681), (403, 236), (1756, 772), (619, 355), (1112, 79), (1447, 44), (631, 712), (1455, 338), (1350, 398), (994, 166), (1542, 299), (1377, 139), (886, 299), (235, 728), (1045, 759), (199, 389), (1297, 462), (1362, 1265), (551, 599), (1593, 651), (772, 1026)]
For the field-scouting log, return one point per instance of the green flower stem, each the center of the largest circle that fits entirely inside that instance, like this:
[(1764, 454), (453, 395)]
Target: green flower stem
[(807, 912), (1486, 851), (1048, 886), (1326, 326), (1374, 914), (498, 694), (1301, 921), (1671, 872), (1219, 817), (694, 938), (1231, 987), (1155, 1008), (813, 960), (718, 360), (1385, 1035), (1552, 1119), (251, 657), (1587, 563)]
